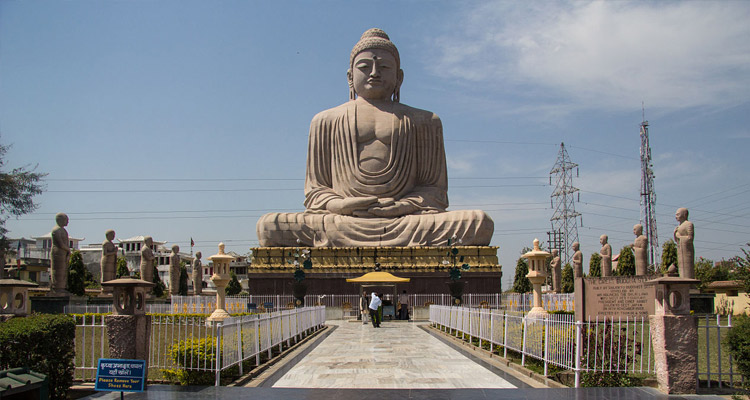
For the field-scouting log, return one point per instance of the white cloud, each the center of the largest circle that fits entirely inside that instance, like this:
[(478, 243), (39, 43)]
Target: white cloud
[(605, 55)]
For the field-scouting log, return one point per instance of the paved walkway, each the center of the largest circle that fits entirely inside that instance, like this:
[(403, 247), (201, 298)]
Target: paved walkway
[(397, 355)]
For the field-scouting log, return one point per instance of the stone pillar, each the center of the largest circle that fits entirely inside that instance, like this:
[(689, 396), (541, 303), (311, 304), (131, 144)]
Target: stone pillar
[(129, 328), (220, 278), (674, 333), (537, 275)]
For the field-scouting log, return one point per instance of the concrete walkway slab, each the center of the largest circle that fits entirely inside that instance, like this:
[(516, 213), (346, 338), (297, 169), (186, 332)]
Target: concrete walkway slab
[(394, 356)]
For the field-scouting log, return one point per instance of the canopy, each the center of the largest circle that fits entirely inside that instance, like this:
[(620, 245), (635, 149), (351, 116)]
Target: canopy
[(378, 277)]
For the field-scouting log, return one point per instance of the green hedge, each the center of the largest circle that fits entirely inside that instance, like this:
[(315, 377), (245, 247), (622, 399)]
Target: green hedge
[(43, 343), (738, 340)]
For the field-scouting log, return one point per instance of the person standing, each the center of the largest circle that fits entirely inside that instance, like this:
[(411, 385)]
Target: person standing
[(373, 307), (363, 307), (403, 311)]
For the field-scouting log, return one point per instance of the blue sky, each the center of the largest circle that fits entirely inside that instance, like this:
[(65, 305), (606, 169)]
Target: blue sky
[(181, 119)]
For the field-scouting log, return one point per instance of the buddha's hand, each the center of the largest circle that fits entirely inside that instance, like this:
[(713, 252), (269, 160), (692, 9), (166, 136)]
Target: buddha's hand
[(397, 209), (347, 206)]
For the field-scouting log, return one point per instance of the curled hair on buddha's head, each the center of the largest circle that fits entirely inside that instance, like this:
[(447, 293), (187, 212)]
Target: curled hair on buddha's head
[(374, 38)]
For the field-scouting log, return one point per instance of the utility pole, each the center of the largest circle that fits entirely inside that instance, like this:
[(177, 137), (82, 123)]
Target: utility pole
[(564, 218), (648, 197)]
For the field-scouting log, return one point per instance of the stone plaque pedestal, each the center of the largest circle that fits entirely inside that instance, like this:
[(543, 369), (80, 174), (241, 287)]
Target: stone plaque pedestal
[(675, 340), (129, 336)]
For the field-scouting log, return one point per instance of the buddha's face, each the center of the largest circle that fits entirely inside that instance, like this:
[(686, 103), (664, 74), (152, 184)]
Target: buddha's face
[(375, 74)]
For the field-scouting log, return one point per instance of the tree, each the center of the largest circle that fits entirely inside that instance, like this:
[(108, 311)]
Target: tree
[(567, 279), (595, 265), (78, 276), (521, 283), (233, 287), (668, 255), (122, 268), (742, 273), (626, 262), (159, 286), (17, 190), (183, 289), (707, 272)]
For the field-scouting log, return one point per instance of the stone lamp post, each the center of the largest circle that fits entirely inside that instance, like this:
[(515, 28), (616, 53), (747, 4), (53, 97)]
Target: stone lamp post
[(14, 296), (220, 278), (674, 334), (129, 328), (537, 274)]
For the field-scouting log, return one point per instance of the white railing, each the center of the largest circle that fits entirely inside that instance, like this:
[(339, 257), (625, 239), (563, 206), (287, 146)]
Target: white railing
[(190, 343), (606, 345), (266, 303), (716, 363), (91, 344)]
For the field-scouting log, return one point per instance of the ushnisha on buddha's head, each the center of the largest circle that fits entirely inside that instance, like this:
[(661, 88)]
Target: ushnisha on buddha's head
[(375, 72)]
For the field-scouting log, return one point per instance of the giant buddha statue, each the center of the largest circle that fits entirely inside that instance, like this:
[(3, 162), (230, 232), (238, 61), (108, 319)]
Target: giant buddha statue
[(376, 170)]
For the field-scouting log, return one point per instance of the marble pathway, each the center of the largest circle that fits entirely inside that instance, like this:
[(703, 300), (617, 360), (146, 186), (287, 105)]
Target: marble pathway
[(394, 356)]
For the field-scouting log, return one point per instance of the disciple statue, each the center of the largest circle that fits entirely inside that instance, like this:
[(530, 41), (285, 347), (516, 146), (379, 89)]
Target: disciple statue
[(60, 255), (197, 274), (683, 236), (556, 272), (147, 260), (577, 261), (109, 259), (640, 247), (376, 169), (174, 271), (606, 253)]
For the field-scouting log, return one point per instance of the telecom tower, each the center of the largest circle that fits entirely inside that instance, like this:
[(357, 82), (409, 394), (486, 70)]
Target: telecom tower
[(648, 197), (565, 218)]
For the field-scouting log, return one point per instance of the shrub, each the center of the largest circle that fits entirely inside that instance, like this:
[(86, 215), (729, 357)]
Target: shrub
[(192, 353), (44, 343), (607, 339), (738, 340)]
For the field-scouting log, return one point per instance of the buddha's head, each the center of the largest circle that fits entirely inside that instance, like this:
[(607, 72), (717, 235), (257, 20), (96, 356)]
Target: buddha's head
[(375, 68), (681, 215), (61, 219), (576, 246), (198, 255), (175, 249), (110, 235), (148, 241), (603, 239), (638, 230)]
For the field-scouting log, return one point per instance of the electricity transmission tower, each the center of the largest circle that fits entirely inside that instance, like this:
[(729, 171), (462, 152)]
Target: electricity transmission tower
[(565, 218), (648, 197)]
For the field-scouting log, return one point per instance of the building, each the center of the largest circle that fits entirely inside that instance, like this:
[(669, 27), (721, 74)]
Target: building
[(28, 259), (729, 297)]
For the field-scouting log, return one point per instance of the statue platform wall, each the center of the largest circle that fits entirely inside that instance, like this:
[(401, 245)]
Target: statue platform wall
[(271, 273)]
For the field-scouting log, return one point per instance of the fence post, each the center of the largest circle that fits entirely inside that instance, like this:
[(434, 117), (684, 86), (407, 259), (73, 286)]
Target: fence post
[(523, 346), (505, 335), (547, 323), (239, 342), (218, 353), (578, 354), (257, 339)]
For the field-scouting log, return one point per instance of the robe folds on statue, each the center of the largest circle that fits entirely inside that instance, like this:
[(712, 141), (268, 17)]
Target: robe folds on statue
[(415, 172)]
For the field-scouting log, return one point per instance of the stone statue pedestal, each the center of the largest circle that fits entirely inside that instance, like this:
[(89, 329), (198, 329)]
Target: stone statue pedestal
[(674, 334), (129, 328)]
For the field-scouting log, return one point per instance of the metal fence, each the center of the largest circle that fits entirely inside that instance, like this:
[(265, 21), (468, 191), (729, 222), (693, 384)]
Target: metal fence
[(715, 364), (253, 303), (523, 302), (192, 344), (600, 345)]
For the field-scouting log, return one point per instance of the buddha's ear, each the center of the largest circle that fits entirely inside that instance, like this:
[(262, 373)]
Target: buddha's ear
[(350, 79)]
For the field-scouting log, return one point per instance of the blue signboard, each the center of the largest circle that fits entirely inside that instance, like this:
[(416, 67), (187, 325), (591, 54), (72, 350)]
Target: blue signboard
[(121, 375)]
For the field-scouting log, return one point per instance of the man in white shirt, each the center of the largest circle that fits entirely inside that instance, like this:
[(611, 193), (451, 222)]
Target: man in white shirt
[(374, 304)]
